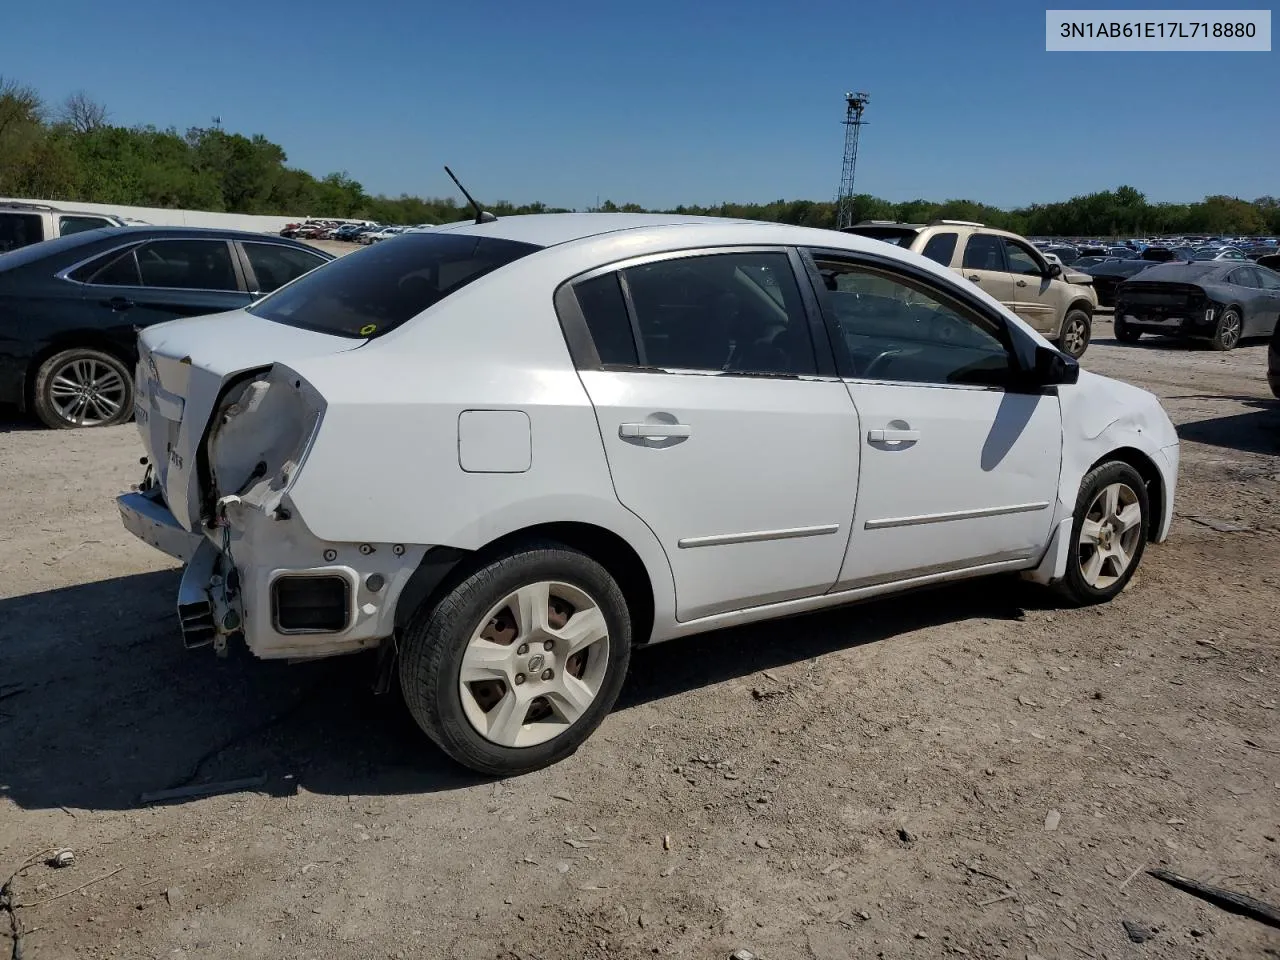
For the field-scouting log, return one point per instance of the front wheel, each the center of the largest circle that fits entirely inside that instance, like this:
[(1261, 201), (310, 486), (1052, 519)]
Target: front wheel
[(1124, 332), (520, 662), (1108, 535), (1076, 329), (83, 388), (1226, 336)]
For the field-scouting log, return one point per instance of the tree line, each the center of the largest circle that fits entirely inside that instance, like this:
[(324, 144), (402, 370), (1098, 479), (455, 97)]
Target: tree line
[(72, 152)]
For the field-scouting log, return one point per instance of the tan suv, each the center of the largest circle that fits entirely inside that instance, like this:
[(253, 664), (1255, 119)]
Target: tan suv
[(1005, 265)]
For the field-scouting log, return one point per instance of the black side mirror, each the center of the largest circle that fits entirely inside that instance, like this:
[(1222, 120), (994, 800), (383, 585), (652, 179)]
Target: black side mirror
[(1054, 270), (1053, 367)]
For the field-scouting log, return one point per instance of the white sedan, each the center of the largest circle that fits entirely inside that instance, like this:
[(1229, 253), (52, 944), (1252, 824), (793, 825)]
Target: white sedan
[(508, 453)]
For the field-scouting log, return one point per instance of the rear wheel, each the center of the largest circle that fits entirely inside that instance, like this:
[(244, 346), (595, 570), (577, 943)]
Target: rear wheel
[(519, 663), (1108, 535), (83, 388), (1124, 332), (1226, 336), (1076, 329)]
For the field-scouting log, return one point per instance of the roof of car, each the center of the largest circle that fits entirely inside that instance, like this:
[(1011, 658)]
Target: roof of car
[(550, 229), (1176, 270), (157, 231)]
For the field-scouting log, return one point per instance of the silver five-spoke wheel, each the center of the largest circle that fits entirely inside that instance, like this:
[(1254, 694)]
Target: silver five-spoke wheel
[(1109, 535), (535, 665)]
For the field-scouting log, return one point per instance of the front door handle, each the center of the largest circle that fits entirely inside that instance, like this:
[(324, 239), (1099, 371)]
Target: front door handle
[(655, 431), (1022, 283), (119, 303), (893, 436), (975, 278)]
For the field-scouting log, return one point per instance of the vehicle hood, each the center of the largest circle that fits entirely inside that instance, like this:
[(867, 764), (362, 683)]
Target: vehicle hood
[(183, 367), (1095, 403)]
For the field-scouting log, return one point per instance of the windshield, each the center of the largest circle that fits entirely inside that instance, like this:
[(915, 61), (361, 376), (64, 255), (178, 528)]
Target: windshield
[(369, 293)]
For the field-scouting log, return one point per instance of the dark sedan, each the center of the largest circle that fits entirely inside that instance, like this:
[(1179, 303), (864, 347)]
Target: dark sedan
[(1109, 274), (1222, 301), (71, 308)]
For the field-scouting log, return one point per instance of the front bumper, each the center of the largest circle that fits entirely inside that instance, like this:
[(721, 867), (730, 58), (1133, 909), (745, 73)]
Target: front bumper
[(230, 586)]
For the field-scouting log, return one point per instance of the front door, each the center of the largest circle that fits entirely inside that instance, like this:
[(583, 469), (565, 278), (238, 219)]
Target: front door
[(718, 433), (984, 266), (956, 471), (1036, 298)]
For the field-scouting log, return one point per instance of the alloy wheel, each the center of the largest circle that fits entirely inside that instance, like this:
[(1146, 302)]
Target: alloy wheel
[(534, 665), (1073, 338), (87, 392), (1229, 335), (1109, 535)]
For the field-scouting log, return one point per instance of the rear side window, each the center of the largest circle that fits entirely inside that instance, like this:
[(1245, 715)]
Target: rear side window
[(113, 269), (20, 230), (605, 311), (941, 248), (274, 264), (70, 225), (372, 292), (984, 252)]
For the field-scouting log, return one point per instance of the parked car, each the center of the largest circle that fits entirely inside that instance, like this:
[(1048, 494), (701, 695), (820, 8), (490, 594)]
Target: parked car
[(1218, 253), (548, 412), (1007, 267), (1222, 301), (1168, 254), (22, 224), (348, 231), (70, 308), (386, 233), (1270, 260), (1110, 273)]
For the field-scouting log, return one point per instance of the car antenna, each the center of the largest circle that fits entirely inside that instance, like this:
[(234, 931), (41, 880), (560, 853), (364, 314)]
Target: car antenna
[(482, 216)]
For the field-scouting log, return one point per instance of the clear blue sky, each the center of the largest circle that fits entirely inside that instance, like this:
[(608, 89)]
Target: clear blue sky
[(667, 101)]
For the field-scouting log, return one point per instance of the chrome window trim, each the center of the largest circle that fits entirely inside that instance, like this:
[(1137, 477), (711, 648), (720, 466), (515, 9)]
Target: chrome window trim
[(63, 273)]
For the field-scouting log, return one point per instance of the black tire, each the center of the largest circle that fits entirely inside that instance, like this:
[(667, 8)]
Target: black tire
[(1230, 328), (1074, 587), (436, 638), (107, 377), (1077, 327), (1125, 333)]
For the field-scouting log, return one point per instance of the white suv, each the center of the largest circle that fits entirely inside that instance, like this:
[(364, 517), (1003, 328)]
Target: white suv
[(510, 452), (22, 224)]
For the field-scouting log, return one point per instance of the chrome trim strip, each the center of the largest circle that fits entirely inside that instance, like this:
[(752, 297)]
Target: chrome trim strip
[(757, 536), (954, 515)]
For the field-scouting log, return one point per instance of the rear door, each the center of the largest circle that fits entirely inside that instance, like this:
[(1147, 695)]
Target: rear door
[(726, 431), (983, 264), (1036, 299)]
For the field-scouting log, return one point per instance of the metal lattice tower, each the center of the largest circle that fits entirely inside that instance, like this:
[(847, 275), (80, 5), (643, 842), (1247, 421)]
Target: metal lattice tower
[(855, 103)]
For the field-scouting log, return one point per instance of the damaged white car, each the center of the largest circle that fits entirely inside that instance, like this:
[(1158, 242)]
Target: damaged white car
[(509, 452)]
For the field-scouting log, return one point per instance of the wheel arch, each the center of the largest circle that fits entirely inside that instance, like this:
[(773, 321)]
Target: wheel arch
[(442, 568), (1079, 303), (1151, 477), (80, 339)]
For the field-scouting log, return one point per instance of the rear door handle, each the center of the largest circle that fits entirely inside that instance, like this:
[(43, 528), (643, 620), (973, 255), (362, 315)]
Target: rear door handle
[(119, 303), (893, 436), (1022, 283), (654, 430)]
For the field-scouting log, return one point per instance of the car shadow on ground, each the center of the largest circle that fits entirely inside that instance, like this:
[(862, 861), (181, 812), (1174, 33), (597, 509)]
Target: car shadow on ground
[(100, 703), (1256, 431), (12, 420)]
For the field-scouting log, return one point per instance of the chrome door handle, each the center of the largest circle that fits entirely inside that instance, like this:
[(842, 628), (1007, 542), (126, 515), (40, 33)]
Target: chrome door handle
[(654, 430), (975, 278), (893, 436)]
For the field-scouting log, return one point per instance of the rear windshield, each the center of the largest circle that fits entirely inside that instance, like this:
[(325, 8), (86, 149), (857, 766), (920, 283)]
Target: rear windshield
[(369, 293), (902, 236)]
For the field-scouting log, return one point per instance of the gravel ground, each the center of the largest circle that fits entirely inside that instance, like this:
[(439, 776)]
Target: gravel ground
[(971, 772)]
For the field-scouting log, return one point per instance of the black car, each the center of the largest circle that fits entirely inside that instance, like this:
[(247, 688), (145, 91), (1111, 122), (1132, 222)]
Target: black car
[(71, 308), (1222, 300), (1109, 274), (1273, 362)]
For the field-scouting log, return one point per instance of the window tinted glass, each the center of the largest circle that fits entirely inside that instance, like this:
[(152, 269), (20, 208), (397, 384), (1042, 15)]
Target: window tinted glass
[(366, 294), (112, 269), (941, 248), (1244, 277), (187, 264), (898, 329), (70, 225), (275, 264), (1020, 259), (1269, 278), (19, 230), (984, 252), (606, 314), (732, 313)]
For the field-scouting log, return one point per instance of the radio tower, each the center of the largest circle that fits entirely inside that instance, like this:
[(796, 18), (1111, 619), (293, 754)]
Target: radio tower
[(855, 103)]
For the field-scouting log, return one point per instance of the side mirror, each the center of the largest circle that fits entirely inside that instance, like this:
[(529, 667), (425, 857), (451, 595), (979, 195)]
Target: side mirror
[(1054, 270), (1052, 367)]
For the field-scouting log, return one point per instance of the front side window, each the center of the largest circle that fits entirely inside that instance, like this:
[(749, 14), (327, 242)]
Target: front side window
[(1021, 260), (275, 264), (187, 265), (734, 313), (941, 248), (984, 252), (372, 292), (898, 329), (70, 225)]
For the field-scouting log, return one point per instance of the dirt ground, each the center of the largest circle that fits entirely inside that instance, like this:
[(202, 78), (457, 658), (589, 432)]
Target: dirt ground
[(969, 772)]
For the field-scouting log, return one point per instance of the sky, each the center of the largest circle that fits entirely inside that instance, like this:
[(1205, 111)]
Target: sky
[(664, 102)]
